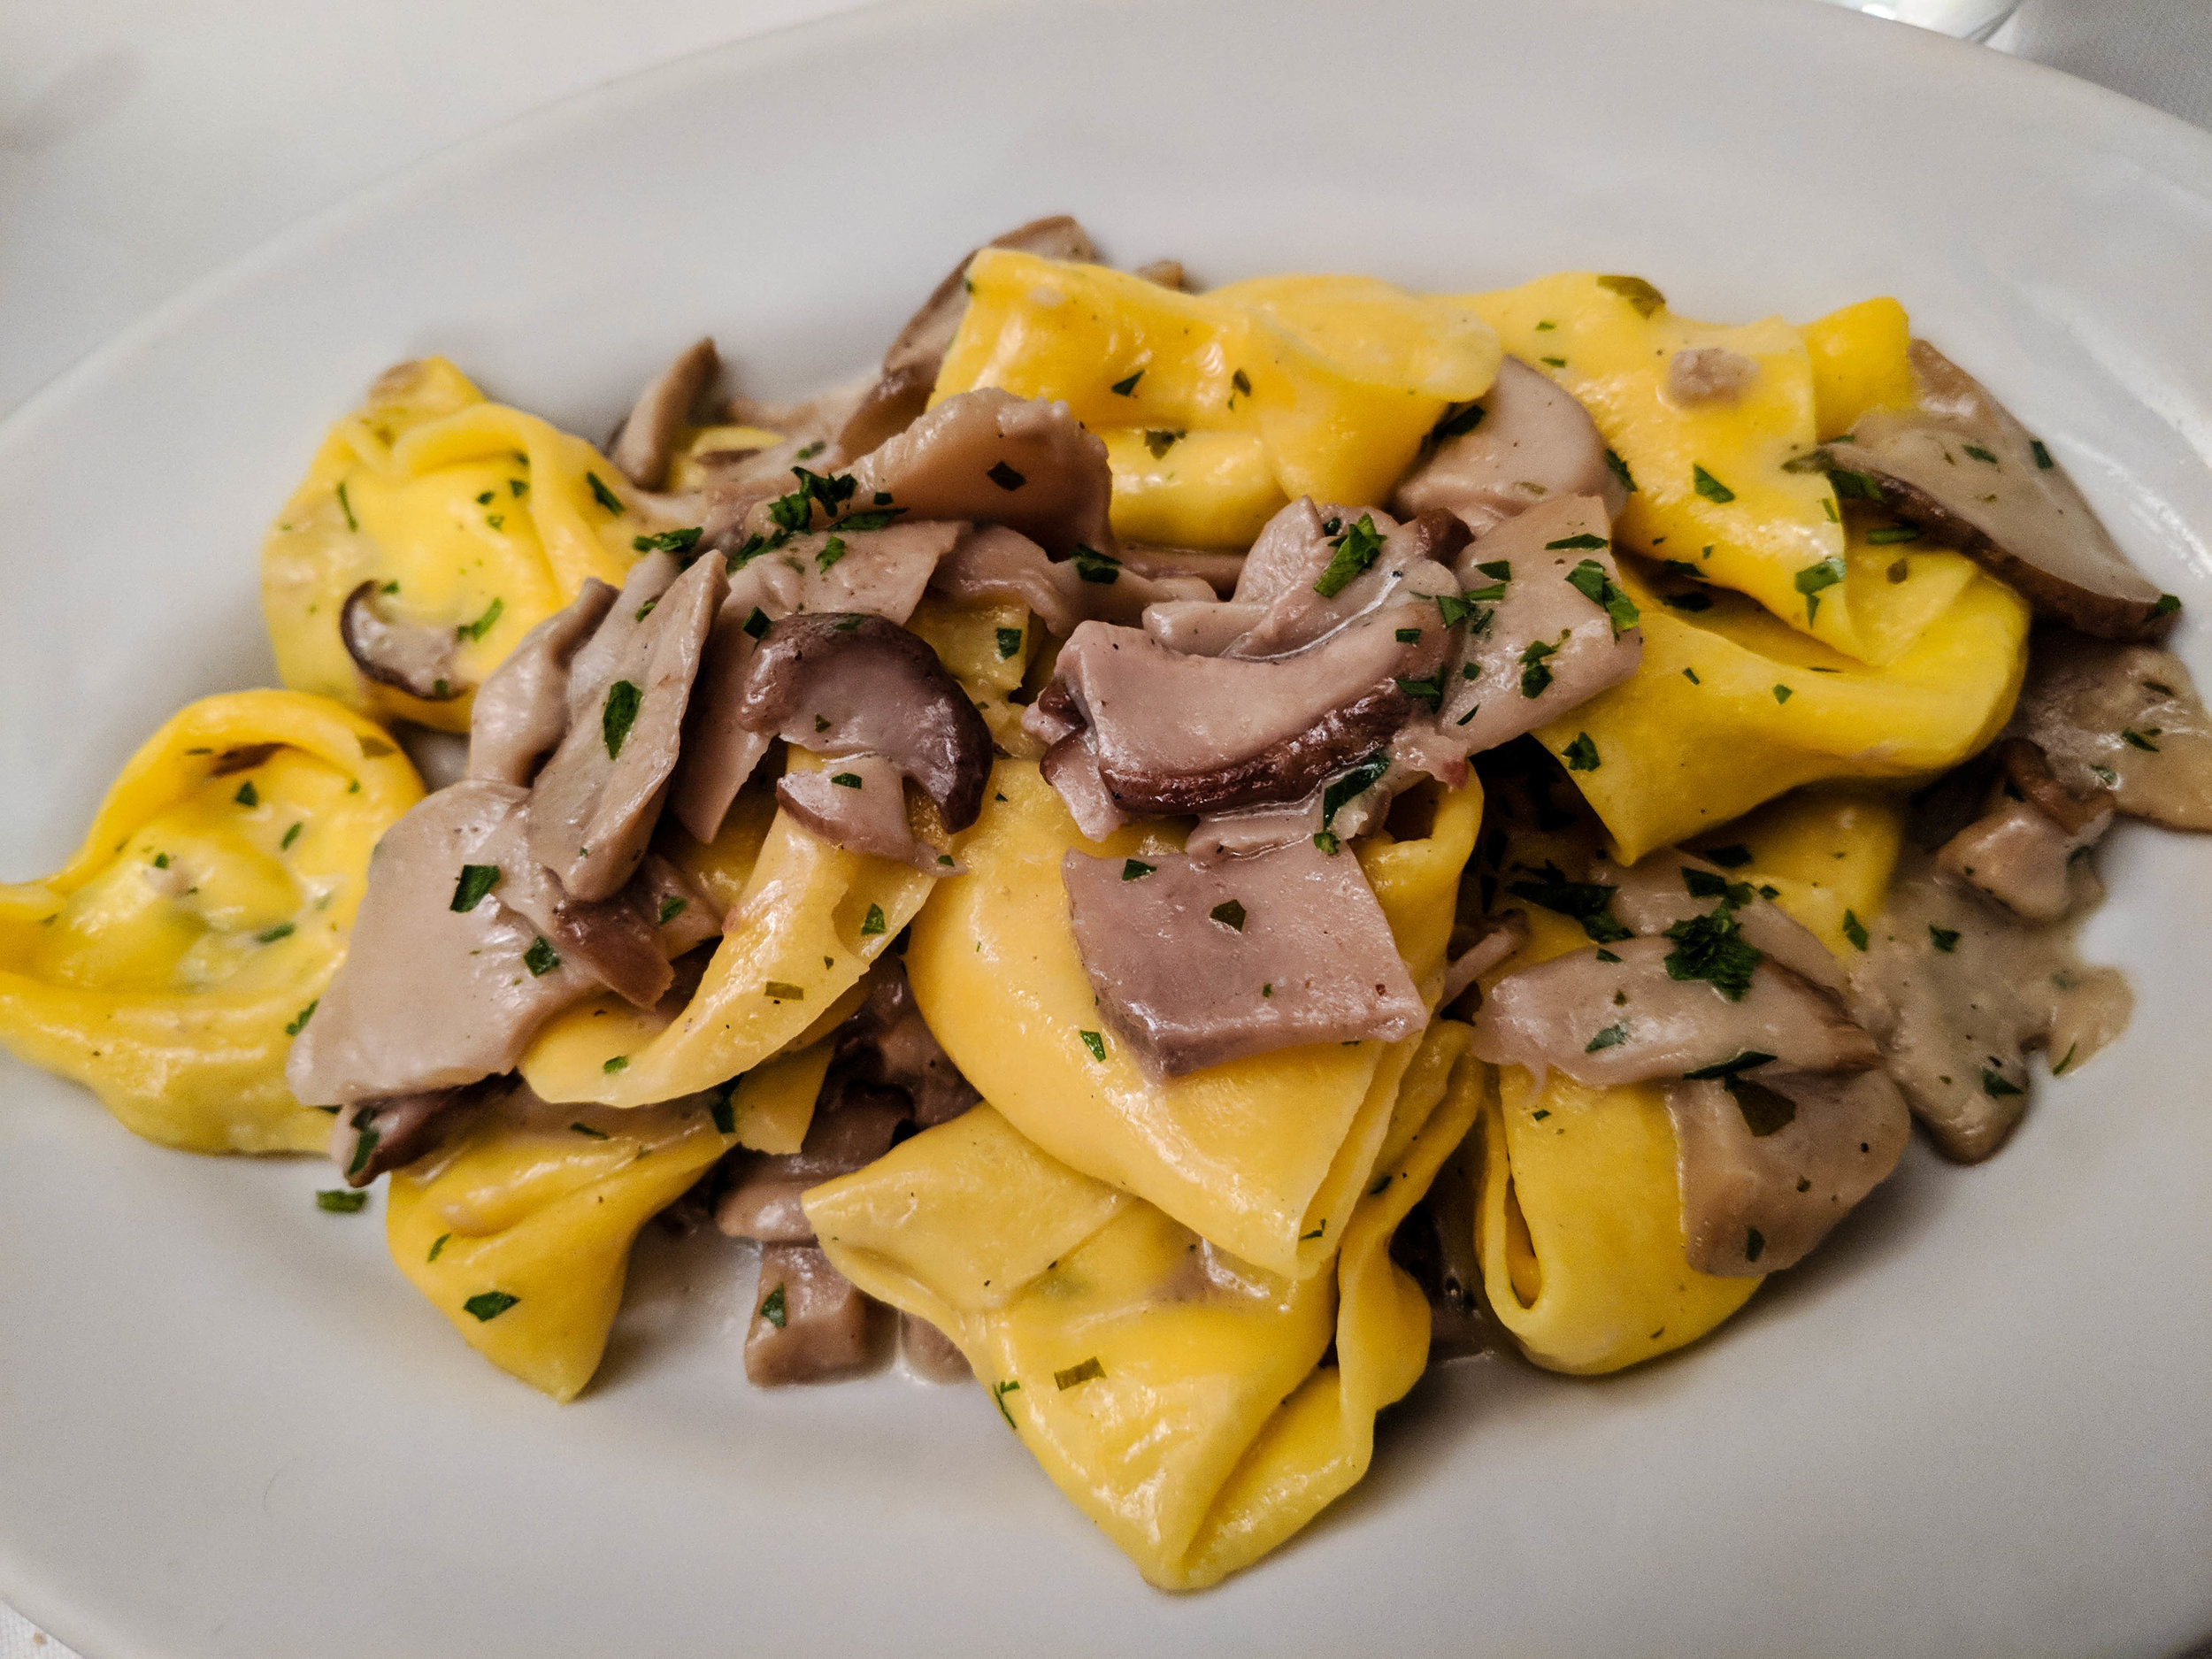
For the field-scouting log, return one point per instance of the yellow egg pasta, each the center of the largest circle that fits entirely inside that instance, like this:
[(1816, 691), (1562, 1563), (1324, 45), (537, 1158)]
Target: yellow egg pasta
[(470, 522), (1263, 1155), (168, 963), (518, 1229), (1177, 1396)]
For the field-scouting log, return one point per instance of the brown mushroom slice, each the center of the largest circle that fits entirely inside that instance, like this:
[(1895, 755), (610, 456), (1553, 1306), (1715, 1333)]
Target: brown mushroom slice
[(887, 1044), (1956, 991), (2122, 717), (405, 654), (1304, 605), (1294, 547), (1667, 887), (368, 1138), (1533, 442), (847, 1132), (989, 457), (1959, 464), (1770, 1160), (594, 805), (2027, 849), (1218, 569), (1629, 1021), (1173, 734), (881, 572), (1538, 644), (432, 995), (1201, 627), (1474, 950), (992, 561), (646, 440), (855, 684), (858, 803), (810, 1323), (901, 392), (929, 1352), (1195, 964), (521, 711)]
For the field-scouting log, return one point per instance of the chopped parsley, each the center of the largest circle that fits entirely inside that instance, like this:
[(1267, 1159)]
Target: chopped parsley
[(248, 795), (2141, 739), (784, 991), (290, 836), (1083, 1373), (1095, 1043), (1430, 690), (1128, 388), (1009, 641), (1713, 950), (1620, 469), (437, 1247), (1354, 783), (1997, 1087), (1229, 913), (620, 714), (756, 623), (1453, 609), (2042, 456), (1754, 1242), (298, 1021), (873, 923), (1783, 694), (1854, 930), (1242, 382), (1581, 755), (1703, 884), (831, 551), (1980, 454), (487, 1305), (671, 907), (269, 935), (620, 1063), (1892, 534), (1409, 636), (1585, 902), (1591, 580), (1355, 550), (1709, 486), (1944, 938), (601, 493), (340, 1201), (846, 780), (1534, 676), (541, 958), (1611, 1037), (1091, 566), (2168, 604), (1135, 869), (478, 629), (1554, 363), (345, 503), (1160, 442), (1851, 485), (1811, 581), (668, 542), (1575, 543), (774, 1310), (999, 1391), (1639, 293), (1327, 843)]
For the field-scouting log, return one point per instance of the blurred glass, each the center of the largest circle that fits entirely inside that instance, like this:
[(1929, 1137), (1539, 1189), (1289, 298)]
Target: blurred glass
[(1968, 20)]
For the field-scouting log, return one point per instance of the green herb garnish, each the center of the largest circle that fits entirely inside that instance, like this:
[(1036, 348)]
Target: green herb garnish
[(1355, 550), (620, 714), (487, 1305), (541, 958)]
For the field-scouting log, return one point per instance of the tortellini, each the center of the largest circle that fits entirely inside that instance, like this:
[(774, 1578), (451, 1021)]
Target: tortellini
[(1178, 1395), (168, 965), (1218, 409), (1263, 1155), (519, 1228), (808, 920), (1712, 428), (1731, 708), (453, 526)]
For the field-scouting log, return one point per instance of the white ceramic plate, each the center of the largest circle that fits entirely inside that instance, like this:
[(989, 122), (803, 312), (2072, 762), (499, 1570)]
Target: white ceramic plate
[(1976, 1422)]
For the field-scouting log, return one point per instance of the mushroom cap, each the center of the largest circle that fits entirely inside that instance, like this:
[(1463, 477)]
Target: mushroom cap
[(405, 654)]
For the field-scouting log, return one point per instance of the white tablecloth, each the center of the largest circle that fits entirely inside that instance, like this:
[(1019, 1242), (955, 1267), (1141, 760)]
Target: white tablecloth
[(145, 144)]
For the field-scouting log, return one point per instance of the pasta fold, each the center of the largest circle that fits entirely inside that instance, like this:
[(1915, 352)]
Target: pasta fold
[(167, 965), (1177, 1396), (471, 523), (1265, 1156)]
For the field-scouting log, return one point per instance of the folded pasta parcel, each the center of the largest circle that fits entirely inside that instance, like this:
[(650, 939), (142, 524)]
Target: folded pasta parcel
[(433, 531), (1183, 1399), (170, 962)]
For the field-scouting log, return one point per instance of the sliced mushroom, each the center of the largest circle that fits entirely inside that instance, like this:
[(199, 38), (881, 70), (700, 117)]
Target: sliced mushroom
[(1303, 605), (521, 711), (1171, 734), (2026, 849), (1959, 464), (1709, 374), (929, 1352), (594, 805), (810, 1323), (1668, 888), (1475, 949), (887, 1044), (415, 659), (881, 572), (432, 995), (1436, 1245), (992, 457), (1537, 643), (1195, 964), (1630, 1021), (1534, 441), (377, 1135), (901, 392), (1956, 991), (1770, 1159), (991, 561), (858, 803), (1201, 627), (2122, 717), (646, 442), (1218, 570)]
